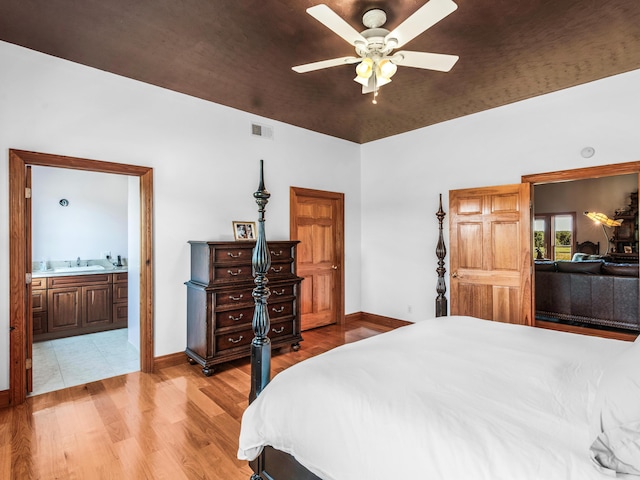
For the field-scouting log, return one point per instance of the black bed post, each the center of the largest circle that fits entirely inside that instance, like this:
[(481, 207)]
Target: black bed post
[(441, 252), (261, 261)]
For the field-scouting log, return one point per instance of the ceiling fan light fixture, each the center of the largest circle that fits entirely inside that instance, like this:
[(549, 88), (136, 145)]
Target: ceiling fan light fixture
[(364, 69), (387, 69)]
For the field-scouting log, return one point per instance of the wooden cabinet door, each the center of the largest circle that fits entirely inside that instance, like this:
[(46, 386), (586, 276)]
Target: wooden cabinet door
[(39, 323), (64, 309), (97, 305), (490, 247)]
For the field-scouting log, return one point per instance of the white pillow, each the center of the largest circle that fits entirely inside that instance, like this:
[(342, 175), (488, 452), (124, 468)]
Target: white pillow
[(615, 422)]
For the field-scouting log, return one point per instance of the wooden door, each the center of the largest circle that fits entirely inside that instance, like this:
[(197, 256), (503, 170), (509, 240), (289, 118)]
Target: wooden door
[(28, 328), (490, 247), (317, 221)]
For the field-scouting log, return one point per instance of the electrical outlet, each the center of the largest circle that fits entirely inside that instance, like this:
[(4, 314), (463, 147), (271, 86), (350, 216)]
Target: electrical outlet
[(106, 255)]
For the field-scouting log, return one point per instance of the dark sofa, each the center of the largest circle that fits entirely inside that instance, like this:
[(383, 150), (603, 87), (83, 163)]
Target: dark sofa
[(591, 292)]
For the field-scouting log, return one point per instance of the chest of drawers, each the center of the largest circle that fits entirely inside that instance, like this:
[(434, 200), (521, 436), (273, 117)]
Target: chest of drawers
[(220, 302)]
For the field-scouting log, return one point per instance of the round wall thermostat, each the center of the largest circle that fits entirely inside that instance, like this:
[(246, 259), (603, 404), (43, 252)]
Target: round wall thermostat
[(587, 152), (64, 202)]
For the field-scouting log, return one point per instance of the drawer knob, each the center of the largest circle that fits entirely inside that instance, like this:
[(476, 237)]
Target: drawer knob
[(277, 270), (235, 319), (278, 310), (281, 292), (235, 299), (234, 256), (279, 330), (236, 340), (234, 274), (276, 254)]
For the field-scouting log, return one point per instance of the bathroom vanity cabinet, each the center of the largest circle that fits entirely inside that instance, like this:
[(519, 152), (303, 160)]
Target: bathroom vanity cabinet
[(65, 306)]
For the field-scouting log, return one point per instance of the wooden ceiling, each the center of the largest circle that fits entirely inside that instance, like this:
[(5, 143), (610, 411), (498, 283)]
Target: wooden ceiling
[(239, 53)]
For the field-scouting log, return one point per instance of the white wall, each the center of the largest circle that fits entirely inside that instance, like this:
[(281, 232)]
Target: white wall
[(605, 195), (542, 134), (94, 221), (205, 165)]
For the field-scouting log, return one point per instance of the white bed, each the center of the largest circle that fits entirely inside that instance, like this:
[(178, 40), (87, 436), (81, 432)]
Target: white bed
[(473, 400)]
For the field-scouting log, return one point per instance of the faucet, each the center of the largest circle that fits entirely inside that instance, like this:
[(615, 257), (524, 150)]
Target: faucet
[(78, 262)]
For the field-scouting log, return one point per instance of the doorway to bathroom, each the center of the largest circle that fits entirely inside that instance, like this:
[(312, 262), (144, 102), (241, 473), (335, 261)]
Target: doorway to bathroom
[(22, 265), (82, 230)]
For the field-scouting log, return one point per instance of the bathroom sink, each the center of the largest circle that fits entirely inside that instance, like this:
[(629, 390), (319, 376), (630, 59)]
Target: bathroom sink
[(87, 268)]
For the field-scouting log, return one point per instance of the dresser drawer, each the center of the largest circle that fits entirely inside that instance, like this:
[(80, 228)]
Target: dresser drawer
[(234, 318), (281, 329), (278, 291), (227, 341), (240, 253), (244, 337), (280, 269), (280, 309), (280, 252), (232, 273), (228, 298)]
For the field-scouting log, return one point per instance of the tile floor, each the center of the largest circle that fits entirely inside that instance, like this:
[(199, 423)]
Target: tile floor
[(66, 362)]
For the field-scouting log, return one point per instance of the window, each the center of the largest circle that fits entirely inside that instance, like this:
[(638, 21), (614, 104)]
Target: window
[(553, 236)]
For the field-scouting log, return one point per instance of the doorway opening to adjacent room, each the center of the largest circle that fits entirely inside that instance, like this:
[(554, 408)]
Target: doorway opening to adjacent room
[(20, 257), (556, 303)]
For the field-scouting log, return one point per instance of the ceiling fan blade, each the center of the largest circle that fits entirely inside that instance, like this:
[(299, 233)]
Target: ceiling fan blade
[(334, 62), (337, 24), (425, 17), (431, 61)]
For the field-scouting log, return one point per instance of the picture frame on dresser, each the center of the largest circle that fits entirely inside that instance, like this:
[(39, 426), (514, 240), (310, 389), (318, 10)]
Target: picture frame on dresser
[(244, 231)]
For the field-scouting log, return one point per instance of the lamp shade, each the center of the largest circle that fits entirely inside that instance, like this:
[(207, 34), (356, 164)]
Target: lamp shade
[(603, 219), (387, 68), (365, 68)]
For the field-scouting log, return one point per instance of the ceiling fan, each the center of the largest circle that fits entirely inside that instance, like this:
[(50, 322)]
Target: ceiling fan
[(374, 46)]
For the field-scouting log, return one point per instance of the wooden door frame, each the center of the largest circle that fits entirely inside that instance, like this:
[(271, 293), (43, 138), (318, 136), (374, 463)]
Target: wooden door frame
[(18, 160), (294, 192)]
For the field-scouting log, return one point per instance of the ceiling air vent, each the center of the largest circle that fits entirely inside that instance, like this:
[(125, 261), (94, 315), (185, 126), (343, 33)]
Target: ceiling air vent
[(262, 131)]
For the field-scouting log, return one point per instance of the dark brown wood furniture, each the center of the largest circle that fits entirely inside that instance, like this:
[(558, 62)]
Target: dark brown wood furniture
[(625, 237), (220, 305), (65, 306), (588, 247)]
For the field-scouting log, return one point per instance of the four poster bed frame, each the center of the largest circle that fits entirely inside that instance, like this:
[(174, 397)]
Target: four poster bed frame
[(274, 464)]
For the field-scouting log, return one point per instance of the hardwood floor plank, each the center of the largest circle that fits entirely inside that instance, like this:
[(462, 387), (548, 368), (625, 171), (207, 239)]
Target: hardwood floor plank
[(173, 424)]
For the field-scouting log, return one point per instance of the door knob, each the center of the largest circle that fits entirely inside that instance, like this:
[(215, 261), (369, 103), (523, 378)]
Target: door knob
[(454, 275), (334, 267)]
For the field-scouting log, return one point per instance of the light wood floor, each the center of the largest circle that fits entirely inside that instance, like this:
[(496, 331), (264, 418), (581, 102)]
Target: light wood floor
[(173, 424)]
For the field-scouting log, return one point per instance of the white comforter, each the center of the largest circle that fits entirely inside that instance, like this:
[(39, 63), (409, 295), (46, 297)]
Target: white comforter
[(448, 398)]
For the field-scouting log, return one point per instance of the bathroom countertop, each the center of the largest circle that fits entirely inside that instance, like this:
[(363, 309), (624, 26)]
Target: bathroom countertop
[(52, 273)]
